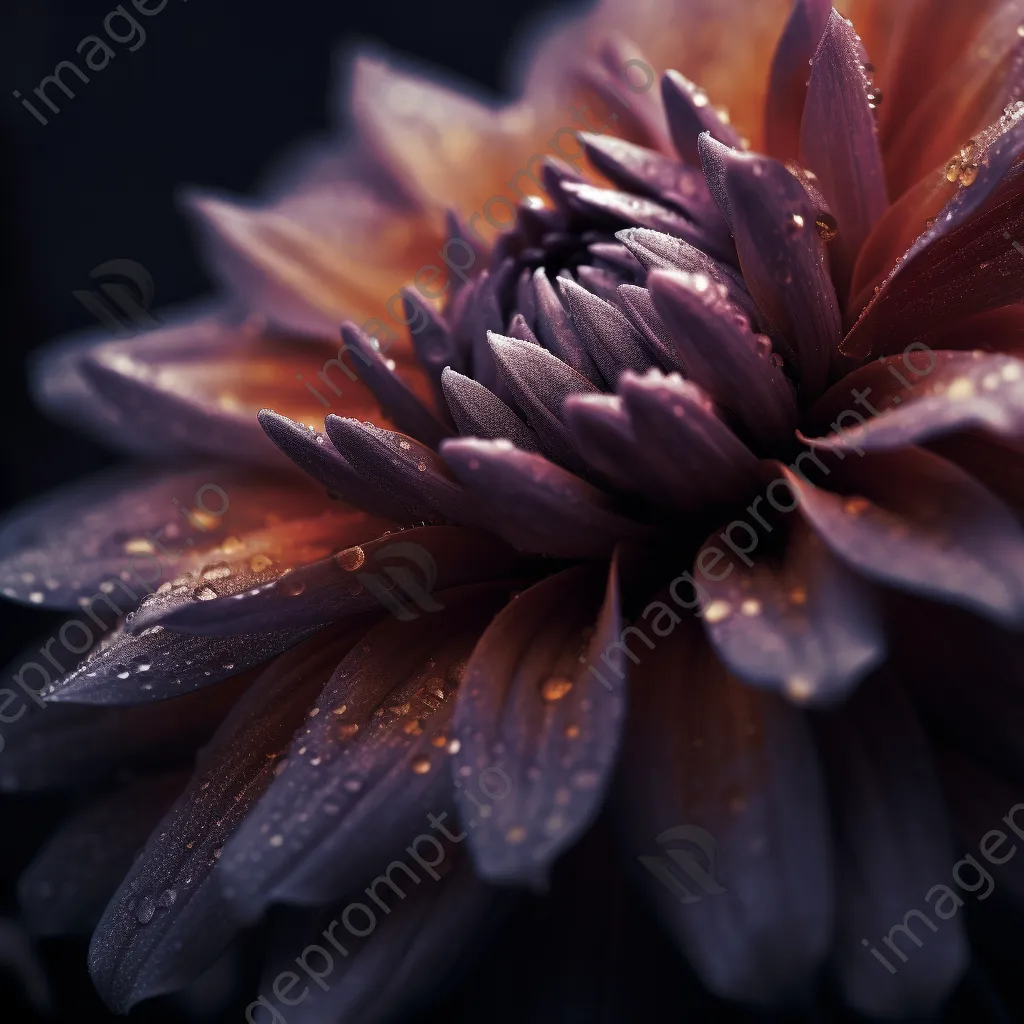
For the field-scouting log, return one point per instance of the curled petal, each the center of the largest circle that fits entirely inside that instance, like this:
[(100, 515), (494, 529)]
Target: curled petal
[(535, 505)]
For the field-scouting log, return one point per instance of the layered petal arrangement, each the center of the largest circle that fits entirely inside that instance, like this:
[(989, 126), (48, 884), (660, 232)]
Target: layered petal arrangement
[(678, 492)]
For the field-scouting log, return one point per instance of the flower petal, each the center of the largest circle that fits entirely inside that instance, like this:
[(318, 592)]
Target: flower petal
[(961, 391), (540, 384), (401, 403), (556, 332), (69, 883), (723, 356), (918, 523), (536, 722), (480, 413), (783, 261), (839, 142), (373, 749), (169, 920), (733, 771), (690, 113), (799, 623), (535, 505), (892, 834), (787, 89)]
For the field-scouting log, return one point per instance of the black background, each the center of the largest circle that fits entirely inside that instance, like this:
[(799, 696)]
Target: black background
[(218, 91)]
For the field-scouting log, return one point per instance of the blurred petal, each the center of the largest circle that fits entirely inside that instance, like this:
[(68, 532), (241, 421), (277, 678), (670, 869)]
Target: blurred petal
[(892, 839), (734, 771), (69, 883)]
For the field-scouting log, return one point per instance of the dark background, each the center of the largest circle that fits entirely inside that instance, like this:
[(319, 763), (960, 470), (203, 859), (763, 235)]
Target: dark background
[(217, 92)]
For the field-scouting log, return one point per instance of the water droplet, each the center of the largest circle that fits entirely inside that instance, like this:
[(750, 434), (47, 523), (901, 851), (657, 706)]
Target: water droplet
[(404, 445), (439, 740), (422, 465), (351, 558), (346, 732), (717, 611), (750, 607), (454, 747), (799, 688), (291, 586), (874, 98), (516, 834), (555, 688), (953, 170), (122, 671), (36, 597), (145, 910), (798, 595), (218, 571), (277, 840), (340, 709), (352, 785), (828, 227), (204, 594), (260, 563), (421, 764), (969, 174), (167, 898), (795, 224), (414, 727), (855, 506), (139, 546), (572, 732)]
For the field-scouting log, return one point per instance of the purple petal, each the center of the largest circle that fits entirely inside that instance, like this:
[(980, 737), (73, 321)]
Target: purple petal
[(432, 338), (556, 332), (723, 356), (613, 341), (783, 260), (962, 391), (535, 505), (408, 472), (402, 573), (69, 883), (839, 141), (479, 413), (799, 623), (602, 432), (918, 523), (540, 384), (690, 113), (169, 919), (396, 398), (313, 452), (542, 727), (367, 767), (787, 90), (892, 834), (698, 461), (711, 765), (643, 314)]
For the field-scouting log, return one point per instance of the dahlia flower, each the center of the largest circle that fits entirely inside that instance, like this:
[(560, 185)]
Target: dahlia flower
[(688, 508)]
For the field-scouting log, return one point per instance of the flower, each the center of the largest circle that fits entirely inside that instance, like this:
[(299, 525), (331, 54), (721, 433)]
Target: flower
[(739, 426)]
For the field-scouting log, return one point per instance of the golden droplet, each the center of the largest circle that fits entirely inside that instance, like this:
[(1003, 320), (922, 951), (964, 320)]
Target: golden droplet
[(346, 732), (751, 607), (799, 688), (798, 596), (953, 170), (139, 546), (556, 688), (572, 732), (440, 740), (231, 546), (969, 174), (258, 563), (828, 227), (516, 834), (414, 727), (340, 709), (421, 764), (351, 558), (854, 506), (960, 390), (717, 611)]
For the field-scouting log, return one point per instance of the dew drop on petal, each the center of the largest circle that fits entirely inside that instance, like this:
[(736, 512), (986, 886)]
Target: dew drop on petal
[(555, 688), (260, 563), (204, 594), (145, 910), (351, 558), (421, 764)]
